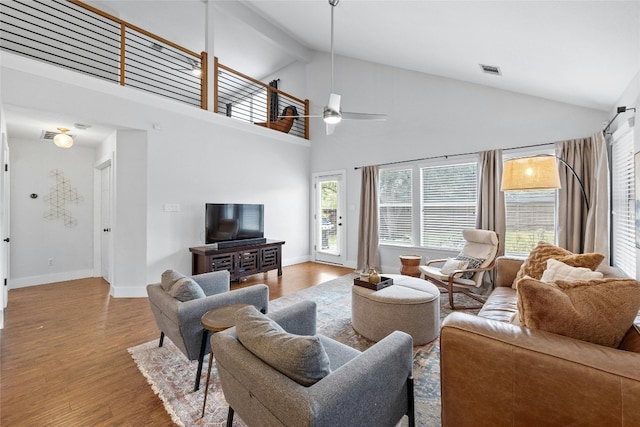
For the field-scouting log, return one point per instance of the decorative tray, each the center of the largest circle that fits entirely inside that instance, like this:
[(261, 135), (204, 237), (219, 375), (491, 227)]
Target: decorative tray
[(384, 282)]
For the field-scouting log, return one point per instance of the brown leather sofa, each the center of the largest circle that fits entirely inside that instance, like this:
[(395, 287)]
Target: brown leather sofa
[(494, 373)]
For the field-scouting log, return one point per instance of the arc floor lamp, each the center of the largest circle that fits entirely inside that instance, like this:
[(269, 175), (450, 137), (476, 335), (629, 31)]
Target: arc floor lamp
[(536, 173)]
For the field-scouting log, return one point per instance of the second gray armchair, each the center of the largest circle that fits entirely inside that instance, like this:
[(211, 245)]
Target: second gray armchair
[(370, 388), (178, 317)]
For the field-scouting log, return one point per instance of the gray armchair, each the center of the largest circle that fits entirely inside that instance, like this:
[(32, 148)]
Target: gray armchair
[(370, 388), (180, 321)]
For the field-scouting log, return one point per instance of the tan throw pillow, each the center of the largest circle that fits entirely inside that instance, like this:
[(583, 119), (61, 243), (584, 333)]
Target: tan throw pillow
[(536, 263), (598, 311), (557, 270)]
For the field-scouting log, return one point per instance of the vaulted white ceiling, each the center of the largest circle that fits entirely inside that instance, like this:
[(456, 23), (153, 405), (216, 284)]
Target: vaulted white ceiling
[(579, 52)]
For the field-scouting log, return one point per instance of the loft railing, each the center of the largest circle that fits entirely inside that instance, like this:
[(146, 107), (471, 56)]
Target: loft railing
[(244, 98), (77, 36)]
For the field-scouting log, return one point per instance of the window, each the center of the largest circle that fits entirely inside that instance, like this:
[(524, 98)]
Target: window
[(395, 200), (448, 204), (623, 251), (530, 217)]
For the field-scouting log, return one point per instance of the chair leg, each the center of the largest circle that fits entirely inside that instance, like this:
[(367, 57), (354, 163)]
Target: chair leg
[(230, 417), (161, 339), (450, 290), (411, 414), (203, 347)]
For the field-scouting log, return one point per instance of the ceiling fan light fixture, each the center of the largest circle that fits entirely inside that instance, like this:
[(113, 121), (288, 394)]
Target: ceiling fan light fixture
[(331, 117), (63, 140)]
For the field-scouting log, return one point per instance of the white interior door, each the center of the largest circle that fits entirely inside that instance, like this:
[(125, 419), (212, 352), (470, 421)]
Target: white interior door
[(4, 228), (105, 222), (328, 219)]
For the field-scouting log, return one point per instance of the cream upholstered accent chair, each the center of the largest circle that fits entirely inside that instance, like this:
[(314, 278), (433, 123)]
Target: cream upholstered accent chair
[(466, 271)]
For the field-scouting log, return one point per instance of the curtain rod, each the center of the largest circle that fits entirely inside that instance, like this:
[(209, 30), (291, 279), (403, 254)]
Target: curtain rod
[(446, 156), (619, 110)]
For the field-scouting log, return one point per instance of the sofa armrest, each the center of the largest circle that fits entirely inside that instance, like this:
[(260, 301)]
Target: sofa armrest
[(505, 374), (215, 282), (506, 270)]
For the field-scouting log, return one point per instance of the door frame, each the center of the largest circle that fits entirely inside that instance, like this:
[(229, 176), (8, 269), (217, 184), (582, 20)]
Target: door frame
[(97, 217), (317, 254), (5, 225)]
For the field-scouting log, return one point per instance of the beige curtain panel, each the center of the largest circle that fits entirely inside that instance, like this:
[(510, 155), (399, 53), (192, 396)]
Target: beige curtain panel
[(491, 210), (368, 256), (580, 229)]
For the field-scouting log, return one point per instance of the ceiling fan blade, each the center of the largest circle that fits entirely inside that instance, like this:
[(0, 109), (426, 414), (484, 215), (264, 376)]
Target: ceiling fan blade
[(330, 128), (334, 102), (363, 116)]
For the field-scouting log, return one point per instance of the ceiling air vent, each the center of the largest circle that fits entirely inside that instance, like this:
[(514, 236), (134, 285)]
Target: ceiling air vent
[(491, 69), (48, 135)]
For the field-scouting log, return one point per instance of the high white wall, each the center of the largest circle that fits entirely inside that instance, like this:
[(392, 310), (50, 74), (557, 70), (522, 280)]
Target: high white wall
[(35, 239), (427, 116), (166, 152)]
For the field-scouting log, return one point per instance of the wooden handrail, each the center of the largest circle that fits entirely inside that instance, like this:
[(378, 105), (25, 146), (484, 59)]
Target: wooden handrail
[(203, 57), (123, 39), (204, 91), (258, 82), (216, 65)]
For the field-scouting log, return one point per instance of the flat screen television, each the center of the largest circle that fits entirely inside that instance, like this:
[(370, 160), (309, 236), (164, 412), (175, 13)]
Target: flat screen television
[(233, 221)]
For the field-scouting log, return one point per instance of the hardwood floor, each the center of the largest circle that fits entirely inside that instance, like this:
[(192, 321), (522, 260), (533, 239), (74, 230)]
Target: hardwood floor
[(64, 359)]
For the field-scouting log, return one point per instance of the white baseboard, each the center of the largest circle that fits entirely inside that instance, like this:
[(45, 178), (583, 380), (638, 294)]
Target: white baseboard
[(128, 291), (292, 261), (24, 282)]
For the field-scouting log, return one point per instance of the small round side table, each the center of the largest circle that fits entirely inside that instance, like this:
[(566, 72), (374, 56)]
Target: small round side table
[(218, 320), (410, 265)]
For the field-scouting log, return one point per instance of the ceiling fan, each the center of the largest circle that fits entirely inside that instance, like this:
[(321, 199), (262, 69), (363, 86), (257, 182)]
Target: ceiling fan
[(332, 113)]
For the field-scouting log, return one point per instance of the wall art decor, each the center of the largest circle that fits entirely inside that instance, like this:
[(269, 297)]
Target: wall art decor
[(61, 194)]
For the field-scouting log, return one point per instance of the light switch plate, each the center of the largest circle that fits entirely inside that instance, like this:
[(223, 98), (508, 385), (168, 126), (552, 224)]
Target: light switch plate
[(171, 207)]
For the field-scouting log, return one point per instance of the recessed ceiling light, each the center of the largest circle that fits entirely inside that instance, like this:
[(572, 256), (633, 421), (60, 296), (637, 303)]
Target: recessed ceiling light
[(491, 69)]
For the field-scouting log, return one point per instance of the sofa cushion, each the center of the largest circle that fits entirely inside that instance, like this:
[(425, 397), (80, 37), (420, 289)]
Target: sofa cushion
[(300, 357), (536, 263), (557, 270), (168, 278), (598, 311), (186, 289)]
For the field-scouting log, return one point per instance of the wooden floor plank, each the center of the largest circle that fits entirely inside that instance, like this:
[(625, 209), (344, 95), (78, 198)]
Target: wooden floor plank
[(64, 358)]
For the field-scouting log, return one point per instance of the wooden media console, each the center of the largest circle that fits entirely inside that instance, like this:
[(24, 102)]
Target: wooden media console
[(240, 261)]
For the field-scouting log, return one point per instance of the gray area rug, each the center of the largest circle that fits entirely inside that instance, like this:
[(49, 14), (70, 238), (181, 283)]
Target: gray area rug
[(171, 375)]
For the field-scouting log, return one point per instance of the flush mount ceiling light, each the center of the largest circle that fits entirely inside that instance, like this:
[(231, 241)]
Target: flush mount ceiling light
[(62, 139)]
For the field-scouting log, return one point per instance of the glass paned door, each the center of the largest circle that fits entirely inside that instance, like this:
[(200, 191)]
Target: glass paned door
[(329, 221)]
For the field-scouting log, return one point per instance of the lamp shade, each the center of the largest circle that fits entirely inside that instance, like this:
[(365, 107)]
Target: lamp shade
[(530, 173)]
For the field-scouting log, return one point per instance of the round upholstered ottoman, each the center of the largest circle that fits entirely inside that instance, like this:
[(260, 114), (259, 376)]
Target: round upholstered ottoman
[(410, 305)]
